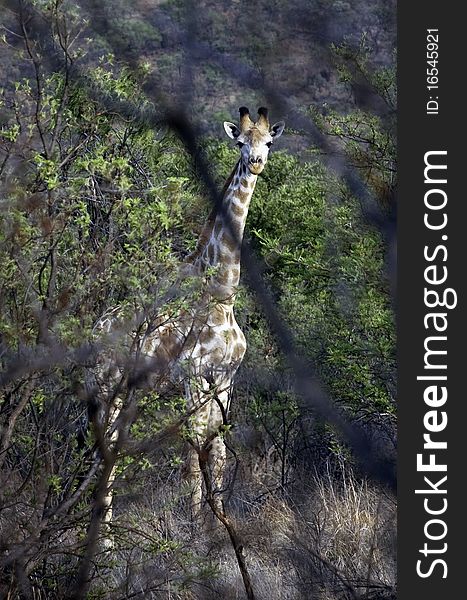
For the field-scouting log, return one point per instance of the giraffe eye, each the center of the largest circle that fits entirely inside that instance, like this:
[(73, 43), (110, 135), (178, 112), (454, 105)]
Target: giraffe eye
[(240, 144), (268, 144)]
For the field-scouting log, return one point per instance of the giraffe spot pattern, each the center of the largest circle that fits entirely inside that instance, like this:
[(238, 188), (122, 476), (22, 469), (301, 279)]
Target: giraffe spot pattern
[(238, 211), (228, 242)]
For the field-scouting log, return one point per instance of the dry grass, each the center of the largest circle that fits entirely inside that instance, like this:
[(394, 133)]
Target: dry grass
[(331, 539), (357, 528), (337, 543)]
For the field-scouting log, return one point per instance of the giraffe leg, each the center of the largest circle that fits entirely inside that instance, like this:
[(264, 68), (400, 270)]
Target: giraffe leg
[(217, 453), (107, 541), (196, 393), (217, 462), (195, 481)]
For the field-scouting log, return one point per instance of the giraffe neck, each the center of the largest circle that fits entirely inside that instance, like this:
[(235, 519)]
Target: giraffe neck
[(222, 243)]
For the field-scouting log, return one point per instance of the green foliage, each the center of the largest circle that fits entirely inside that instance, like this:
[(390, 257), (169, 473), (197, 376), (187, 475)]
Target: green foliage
[(99, 211), (329, 267), (356, 61), (368, 138)]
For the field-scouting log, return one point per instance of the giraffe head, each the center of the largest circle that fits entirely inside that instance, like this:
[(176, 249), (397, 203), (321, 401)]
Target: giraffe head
[(254, 139)]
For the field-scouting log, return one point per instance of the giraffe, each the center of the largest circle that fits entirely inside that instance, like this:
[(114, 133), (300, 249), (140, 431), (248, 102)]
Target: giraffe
[(221, 344), (203, 346)]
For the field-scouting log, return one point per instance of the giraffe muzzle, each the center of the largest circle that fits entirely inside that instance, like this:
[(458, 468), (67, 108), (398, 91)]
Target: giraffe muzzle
[(255, 164)]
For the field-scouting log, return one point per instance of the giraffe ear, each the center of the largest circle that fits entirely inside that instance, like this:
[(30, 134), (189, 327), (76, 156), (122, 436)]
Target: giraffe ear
[(231, 130), (277, 129)]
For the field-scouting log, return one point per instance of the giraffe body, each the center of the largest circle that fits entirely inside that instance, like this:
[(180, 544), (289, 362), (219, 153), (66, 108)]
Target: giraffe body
[(203, 346)]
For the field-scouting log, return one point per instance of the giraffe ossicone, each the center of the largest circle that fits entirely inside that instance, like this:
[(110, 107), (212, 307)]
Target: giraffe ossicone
[(203, 346)]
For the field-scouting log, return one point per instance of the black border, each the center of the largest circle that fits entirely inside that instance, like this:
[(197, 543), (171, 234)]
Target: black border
[(417, 134)]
